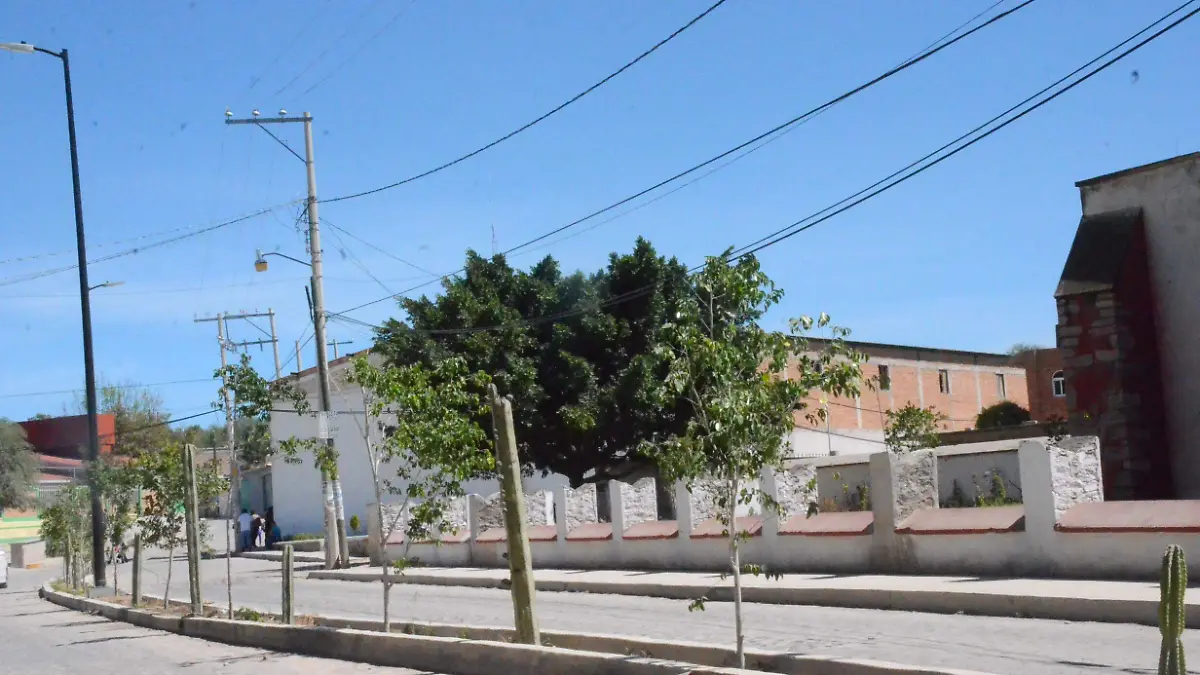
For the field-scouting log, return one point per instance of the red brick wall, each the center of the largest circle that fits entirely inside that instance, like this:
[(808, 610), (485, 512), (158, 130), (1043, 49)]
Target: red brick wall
[(961, 405), (1040, 366)]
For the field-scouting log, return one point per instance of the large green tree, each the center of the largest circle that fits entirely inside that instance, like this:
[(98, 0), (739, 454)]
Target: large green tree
[(577, 353), (18, 467), (138, 415)]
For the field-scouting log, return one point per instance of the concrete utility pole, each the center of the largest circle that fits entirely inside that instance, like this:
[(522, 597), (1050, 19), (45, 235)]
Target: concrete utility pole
[(520, 560), (235, 498), (336, 545), (335, 342)]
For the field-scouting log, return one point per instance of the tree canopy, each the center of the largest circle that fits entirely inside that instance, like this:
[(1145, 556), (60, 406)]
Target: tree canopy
[(18, 467), (577, 353), (138, 414)]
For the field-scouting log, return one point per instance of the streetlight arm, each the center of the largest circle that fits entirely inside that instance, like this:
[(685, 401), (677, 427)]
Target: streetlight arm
[(286, 257)]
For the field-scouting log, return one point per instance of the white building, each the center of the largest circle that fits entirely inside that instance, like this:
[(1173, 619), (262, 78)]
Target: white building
[(295, 487)]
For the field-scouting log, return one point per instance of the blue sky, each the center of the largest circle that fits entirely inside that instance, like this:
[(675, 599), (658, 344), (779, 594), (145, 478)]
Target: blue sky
[(965, 256)]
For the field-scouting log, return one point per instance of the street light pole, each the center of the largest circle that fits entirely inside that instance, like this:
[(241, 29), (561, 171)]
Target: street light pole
[(99, 570)]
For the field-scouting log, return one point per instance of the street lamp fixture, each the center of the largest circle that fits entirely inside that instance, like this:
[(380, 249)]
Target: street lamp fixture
[(260, 260), (107, 284), (99, 570)]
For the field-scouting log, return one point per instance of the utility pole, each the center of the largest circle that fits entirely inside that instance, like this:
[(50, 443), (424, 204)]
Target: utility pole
[(335, 342), (235, 498), (331, 482), (299, 361), (274, 341)]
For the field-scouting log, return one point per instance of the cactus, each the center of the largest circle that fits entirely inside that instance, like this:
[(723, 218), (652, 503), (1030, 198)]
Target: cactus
[(1171, 612)]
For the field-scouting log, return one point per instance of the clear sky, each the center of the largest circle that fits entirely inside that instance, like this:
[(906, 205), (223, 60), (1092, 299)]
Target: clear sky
[(965, 256)]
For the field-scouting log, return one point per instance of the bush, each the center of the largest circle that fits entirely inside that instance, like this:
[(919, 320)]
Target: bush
[(1003, 414), (354, 524), (306, 537)]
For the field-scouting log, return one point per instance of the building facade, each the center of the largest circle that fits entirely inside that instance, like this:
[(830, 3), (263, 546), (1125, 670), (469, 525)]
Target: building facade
[(957, 384), (1046, 382), (1129, 327)]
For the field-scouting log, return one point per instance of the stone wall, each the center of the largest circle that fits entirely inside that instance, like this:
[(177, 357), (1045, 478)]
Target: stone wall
[(703, 498), (640, 502), (1075, 472), (914, 481), (792, 489), (491, 511), (581, 506)]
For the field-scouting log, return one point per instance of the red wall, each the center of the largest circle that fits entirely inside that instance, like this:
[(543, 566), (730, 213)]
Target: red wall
[(1040, 366), (64, 436)]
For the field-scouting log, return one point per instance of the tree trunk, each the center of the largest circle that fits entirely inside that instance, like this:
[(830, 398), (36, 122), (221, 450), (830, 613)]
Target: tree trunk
[(115, 577), (383, 561), (170, 566), (735, 563)]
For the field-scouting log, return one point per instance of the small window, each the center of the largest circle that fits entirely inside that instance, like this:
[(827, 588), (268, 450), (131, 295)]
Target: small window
[(885, 379), (944, 381), (1058, 384), (1001, 390)]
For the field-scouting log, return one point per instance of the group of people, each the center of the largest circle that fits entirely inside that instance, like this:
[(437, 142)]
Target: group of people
[(258, 532)]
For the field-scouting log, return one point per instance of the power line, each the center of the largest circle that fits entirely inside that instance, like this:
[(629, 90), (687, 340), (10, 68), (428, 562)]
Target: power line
[(354, 259), (363, 45), (749, 151), (113, 386), (783, 234), (360, 240), (326, 51), (797, 227), (112, 256), (794, 121), (542, 118), (256, 80)]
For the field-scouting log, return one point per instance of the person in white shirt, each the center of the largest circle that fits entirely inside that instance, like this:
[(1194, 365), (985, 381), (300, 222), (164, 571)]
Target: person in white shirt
[(244, 529)]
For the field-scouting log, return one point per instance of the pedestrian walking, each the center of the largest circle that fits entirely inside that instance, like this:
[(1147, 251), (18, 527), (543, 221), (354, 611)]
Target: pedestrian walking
[(244, 522)]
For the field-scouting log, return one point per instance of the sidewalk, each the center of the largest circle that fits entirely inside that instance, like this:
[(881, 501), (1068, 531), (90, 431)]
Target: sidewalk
[(1059, 599), (298, 556)]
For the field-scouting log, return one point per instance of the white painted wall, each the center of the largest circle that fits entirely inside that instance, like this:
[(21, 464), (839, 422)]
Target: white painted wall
[(1058, 478), (296, 487), (1170, 200)]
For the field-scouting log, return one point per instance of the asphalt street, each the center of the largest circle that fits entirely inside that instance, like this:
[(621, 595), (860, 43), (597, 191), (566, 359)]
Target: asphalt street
[(1005, 646), (38, 637)]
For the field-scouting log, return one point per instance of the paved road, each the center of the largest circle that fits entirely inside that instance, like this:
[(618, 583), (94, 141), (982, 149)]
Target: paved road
[(37, 637), (997, 645)]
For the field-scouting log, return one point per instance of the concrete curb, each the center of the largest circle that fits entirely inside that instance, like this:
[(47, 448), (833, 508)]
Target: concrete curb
[(483, 650), (425, 653), (1059, 608), (761, 662)]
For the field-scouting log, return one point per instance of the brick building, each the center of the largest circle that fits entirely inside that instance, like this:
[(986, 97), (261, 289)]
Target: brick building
[(1046, 382), (957, 384), (1129, 327)]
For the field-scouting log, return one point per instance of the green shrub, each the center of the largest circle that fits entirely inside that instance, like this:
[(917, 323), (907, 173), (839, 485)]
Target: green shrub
[(1002, 414), (354, 524)]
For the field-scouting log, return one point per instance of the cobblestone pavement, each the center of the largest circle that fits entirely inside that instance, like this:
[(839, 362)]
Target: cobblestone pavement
[(39, 638), (1005, 646)]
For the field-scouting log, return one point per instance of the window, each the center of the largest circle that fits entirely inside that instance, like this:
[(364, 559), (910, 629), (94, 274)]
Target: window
[(1001, 390), (1058, 384), (944, 381), (885, 379)]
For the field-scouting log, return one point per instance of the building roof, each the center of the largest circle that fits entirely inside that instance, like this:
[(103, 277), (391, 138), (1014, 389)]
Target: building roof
[(332, 364), (1098, 252), (931, 354), (1138, 169), (59, 462)]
